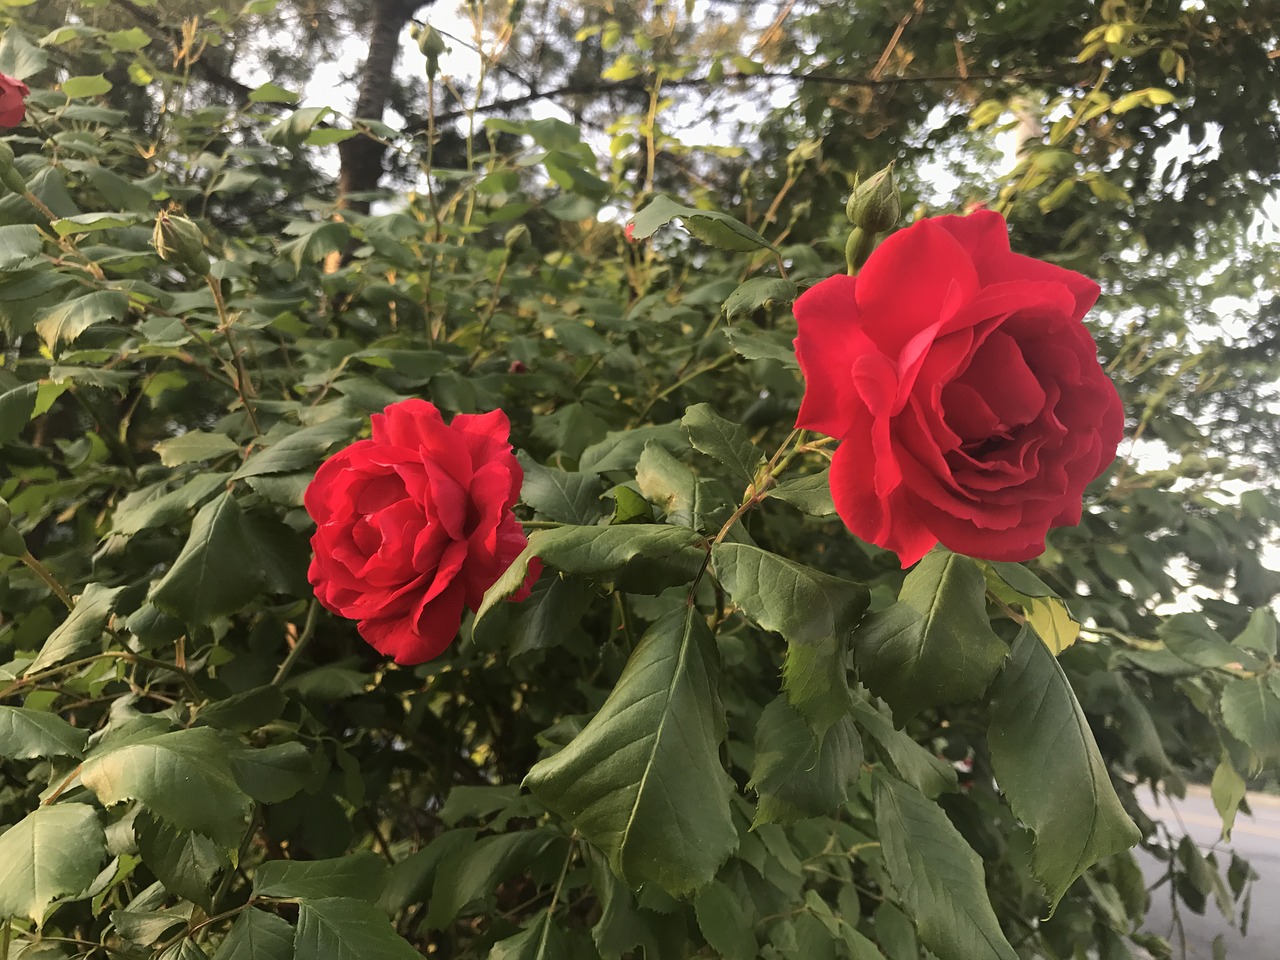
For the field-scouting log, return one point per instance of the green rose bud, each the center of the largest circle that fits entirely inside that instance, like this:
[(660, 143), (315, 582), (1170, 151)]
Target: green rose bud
[(6, 515), (9, 174), (180, 242), (11, 542), (875, 205)]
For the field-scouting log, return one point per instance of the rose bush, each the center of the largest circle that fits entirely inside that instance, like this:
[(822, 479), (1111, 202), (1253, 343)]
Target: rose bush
[(414, 524), (13, 101), (964, 388)]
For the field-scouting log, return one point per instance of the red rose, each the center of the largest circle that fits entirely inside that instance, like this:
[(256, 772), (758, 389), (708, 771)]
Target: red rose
[(415, 524), (964, 388), (13, 106)]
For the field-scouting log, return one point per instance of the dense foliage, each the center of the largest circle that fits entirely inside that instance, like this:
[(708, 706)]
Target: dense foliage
[(720, 725)]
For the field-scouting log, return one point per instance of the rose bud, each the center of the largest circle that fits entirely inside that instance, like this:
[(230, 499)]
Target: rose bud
[(964, 388), (875, 205), (517, 238), (10, 176), (180, 242)]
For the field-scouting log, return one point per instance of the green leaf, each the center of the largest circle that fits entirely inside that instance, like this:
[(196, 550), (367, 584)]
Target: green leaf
[(272, 774), (935, 645), (1190, 637), (54, 851), (16, 407), (797, 775), (814, 612), (754, 344), (561, 495), (193, 446), (19, 57), (25, 734), (338, 928), (1045, 611), (621, 449), (723, 441), (184, 862), (751, 295), (144, 513), (67, 321), (724, 923), (589, 551), (1259, 633), (272, 93), (301, 449), (540, 940), (1048, 765), (83, 626), (91, 223), (474, 872), (257, 935), (359, 876), (1251, 711), (938, 877), (19, 242), (643, 780), (184, 949), (183, 777), (670, 484), (91, 85), (1227, 790), (810, 495), (217, 572), (929, 774), (709, 226)]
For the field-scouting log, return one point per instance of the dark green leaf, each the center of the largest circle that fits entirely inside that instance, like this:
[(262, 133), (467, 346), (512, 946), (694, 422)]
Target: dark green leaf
[(724, 923), (16, 407), (540, 940), (797, 775), (216, 573), (67, 321), (272, 774), (929, 774), (183, 777), (18, 242), (935, 645), (758, 292), (474, 872), (195, 445), (1191, 638), (25, 734), (169, 508), (937, 875), (184, 862), (1251, 711), (561, 495), (722, 440), (301, 449), (643, 781), (710, 226), (82, 627), (359, 876), (814, 612), (621, 449), (338, 928), (1047, 763), (810, 495), (246, 711), (54, 851)]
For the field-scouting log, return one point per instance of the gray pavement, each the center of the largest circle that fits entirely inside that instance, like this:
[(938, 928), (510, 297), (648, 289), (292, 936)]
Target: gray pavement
[(1256, 839)]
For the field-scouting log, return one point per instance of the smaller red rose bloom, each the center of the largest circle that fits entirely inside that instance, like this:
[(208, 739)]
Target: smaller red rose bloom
[(630, 231), (415, 524), (964, 388), (13, 103)]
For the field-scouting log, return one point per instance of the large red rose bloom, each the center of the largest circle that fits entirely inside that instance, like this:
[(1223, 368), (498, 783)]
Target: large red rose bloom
[(964, 389), (415, 524), (13, 101)]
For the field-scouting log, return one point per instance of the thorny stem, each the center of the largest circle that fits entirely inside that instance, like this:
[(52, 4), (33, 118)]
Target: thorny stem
[(489, 312), (244, 386)]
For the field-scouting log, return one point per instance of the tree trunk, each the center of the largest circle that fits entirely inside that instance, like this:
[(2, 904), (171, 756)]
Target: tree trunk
[(361, 157)]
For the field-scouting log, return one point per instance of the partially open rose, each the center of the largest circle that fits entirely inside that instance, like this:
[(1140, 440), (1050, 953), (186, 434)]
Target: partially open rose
[(965, 390), (13, 101), (415, 524)]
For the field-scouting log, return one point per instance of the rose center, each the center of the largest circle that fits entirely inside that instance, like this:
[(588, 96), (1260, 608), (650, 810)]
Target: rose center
[(995, 395)]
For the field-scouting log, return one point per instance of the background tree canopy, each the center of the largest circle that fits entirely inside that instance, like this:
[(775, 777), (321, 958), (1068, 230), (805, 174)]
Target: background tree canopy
[(199, 761)]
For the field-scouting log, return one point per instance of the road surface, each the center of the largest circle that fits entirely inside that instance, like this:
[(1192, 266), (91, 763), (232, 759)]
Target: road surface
[(1256, 839)]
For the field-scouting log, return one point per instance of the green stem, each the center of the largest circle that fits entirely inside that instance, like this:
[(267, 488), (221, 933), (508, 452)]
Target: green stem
[(308, 631), (41, 571)]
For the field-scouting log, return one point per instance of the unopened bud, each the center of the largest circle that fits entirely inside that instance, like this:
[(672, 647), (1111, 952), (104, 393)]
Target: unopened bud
[(6, 515), (517, 238), (11, 542), (180, 242), (875, 205), (9, 174)]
